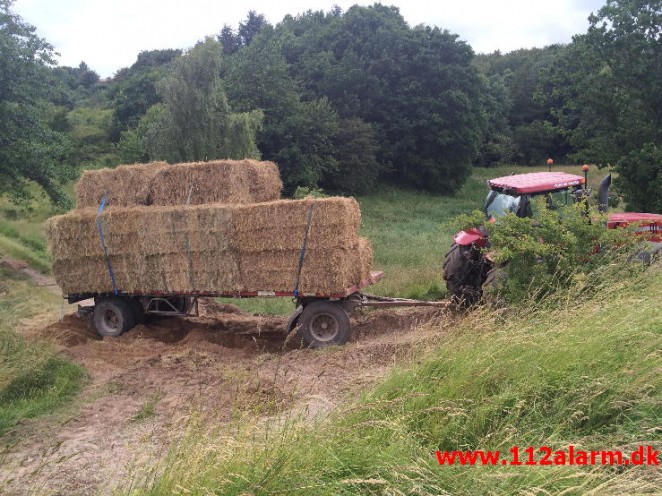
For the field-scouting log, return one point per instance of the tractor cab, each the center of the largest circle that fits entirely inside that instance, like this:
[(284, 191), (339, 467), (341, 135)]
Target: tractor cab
[(512, 194), (467, 266)]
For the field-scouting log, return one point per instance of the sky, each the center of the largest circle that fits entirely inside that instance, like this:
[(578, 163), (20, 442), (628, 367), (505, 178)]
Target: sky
[(108, 34)]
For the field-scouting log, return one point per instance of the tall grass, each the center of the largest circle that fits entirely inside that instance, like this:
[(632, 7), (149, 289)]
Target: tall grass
[(582, 370), (34, 379), (22, 233)]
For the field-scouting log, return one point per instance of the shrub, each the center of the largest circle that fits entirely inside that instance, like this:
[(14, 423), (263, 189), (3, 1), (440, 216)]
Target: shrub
[(552, 249)]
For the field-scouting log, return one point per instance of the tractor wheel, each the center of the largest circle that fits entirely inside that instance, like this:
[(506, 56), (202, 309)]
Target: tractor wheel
[(493, 286), (647, 254), (465, 271), (113, 316), (324, 323)]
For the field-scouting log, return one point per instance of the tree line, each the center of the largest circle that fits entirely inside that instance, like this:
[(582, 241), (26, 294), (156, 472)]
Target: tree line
[(344, 101)]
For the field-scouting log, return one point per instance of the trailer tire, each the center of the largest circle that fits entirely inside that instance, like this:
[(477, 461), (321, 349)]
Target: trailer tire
[(183, 304), (324, 323), (113, 316), (138, 311)]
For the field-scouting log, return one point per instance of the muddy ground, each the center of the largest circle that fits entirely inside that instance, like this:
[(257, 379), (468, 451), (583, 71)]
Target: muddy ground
[(144, 385)]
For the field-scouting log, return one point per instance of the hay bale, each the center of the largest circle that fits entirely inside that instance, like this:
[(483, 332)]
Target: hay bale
[(281, 225), (219, 181), (364, 260), (212, 248), (125, 186), (157, 183), (324, 271)]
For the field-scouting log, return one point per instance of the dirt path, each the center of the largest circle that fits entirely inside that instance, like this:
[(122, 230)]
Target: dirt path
[(39, 279), (144, 386)]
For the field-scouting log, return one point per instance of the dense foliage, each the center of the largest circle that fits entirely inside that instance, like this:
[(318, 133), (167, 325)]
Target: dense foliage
[(30, 148), (606, 90), (345, 101), (552, 250)]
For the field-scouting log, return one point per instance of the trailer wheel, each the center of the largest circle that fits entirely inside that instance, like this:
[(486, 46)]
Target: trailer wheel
[(113, 316), (182, 304), (324, 323), (138, 311)]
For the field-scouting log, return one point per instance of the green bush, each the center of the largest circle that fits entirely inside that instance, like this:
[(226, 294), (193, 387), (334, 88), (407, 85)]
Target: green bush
[(552, 249)]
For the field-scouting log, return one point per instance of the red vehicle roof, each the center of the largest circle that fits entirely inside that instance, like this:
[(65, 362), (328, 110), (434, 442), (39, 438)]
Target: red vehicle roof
[(535, 182)]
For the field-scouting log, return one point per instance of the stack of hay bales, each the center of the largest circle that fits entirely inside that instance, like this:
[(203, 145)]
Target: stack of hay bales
[(215, 227)]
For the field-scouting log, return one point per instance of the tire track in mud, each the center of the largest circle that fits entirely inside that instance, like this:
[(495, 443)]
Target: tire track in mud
[(144, 385)]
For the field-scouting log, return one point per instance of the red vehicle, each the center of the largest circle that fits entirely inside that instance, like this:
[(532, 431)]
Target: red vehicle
[(466, 267)]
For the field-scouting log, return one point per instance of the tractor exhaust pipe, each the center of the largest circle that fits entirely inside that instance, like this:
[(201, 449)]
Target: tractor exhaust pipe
[(603, 194)]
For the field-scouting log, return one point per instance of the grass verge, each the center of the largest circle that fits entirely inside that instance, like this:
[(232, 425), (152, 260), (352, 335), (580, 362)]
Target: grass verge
[(22, 233), (578, 370), (34, 380)]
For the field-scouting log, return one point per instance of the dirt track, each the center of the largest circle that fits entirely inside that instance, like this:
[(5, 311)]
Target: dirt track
[(144, 385)]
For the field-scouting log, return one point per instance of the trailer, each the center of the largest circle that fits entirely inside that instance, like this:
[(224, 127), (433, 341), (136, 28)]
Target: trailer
[(318, 319)]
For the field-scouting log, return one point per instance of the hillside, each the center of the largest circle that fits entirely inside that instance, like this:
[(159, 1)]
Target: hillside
[(178, 404), (584, 371)]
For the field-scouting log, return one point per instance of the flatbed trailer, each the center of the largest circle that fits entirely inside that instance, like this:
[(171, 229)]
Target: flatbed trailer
[(319, 319)]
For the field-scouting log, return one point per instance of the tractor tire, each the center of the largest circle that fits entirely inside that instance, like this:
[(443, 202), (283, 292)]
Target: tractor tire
[(647, 254), (493, 286), (465, 271), (113, 316), (324, 323)]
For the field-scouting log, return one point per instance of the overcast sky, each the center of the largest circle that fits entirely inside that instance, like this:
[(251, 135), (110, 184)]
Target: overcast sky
[(109, 34)]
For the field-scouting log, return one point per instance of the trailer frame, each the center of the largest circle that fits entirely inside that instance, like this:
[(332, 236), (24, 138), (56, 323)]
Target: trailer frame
[(319, 319)]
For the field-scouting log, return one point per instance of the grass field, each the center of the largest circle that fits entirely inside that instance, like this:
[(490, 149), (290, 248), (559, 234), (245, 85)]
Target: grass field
[(582, 370), (34, 379)]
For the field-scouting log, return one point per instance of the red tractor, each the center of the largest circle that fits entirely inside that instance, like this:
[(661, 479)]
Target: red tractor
[(467, 268)]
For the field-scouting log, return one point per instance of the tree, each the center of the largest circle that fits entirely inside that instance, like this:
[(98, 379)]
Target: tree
[(89, 130), (195, 122), (295, 134), (30, 151), (606, 92), (311, 145), (356, 154), (498, 146), (532, 133), (251, 27), (415, 87), (133, 89), (230, 41)]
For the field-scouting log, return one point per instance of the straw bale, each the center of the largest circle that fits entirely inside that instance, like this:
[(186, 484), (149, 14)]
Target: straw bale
[(157, 183), (281, 225), (219, 181), (364, 260), (264, 181), (125, 186), (215, 248), (329, 270), (136, 230), (148, 274)]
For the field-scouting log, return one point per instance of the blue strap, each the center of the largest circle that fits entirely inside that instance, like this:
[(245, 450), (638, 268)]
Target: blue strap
[(103, 244), (302, 254)]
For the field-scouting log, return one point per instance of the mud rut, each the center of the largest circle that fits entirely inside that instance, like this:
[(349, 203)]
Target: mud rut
[(145, 384)]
